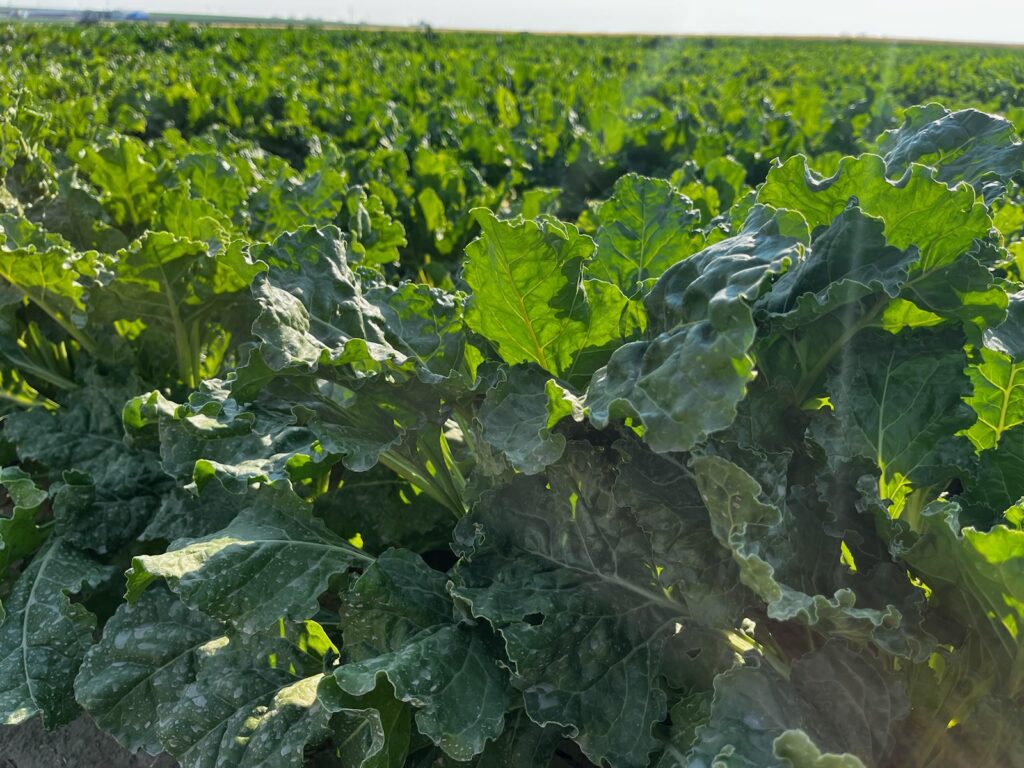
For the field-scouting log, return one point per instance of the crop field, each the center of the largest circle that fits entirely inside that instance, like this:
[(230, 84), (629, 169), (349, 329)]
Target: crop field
[(381, 399)]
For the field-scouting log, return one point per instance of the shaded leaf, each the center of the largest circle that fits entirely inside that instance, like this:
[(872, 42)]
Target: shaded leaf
[(899, 402), (147, 654), (44, 636), (372, 731), (848, 261), (20, 533), (570, 579), (253, 703), (788, 560), (518, 414), (840, 701), (399, 626), (978, 579)]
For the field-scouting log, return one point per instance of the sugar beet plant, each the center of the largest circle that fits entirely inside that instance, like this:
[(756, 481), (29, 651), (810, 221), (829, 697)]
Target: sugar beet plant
[(666, 491)]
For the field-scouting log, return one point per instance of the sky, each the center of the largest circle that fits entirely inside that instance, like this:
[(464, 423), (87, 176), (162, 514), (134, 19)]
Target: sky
[(999, 21)]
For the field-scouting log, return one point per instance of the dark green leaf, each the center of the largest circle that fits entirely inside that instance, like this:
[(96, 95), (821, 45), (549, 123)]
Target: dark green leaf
[(686, 381), (966, 145), (44, 636), (148, 653), (838, 700), (272, 561)]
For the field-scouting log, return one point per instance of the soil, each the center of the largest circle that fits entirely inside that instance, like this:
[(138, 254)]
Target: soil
[(78, 745)]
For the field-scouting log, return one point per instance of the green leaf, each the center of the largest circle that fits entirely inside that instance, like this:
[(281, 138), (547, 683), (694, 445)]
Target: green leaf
[(78, 216), (848, 261), (163, 678), (252, 704), (685, 382), (452, 678), (424, 326), (997, 397), (373, 421), (686, 715), (190, 217), (899, 401), (834, 698), (966, 145), (570, 576), (273, 560), (385, 511), (989, 735), (42, 267), (148, 653), (29, 362), (376, 237), (1007, 338), (397, 597), (311, 307), (666, 501), (523, 744), (291, 203), (184, 295), (315, 312), (966, 290), (212, 178), (103, 489), (917, 210), (518, 414), (899, 314), (643, 229), (128, 183), (371, 731), (11, 140), (182, 514), (798, 751), (998, 482), (776, 547), (977, 578), (399, 626), (212, 434), (508, 111), (44, 636), (530, 297), (101, 517), (534, 202), (20, 533)]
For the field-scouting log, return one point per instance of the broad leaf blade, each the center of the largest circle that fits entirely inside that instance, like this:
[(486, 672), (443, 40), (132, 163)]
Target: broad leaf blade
[(252, 704), (44, 636), (529, 294), (785, 557), (966, 145), (400, 626), (841, 701), (273, 560), (686, 381), (20, 534), (560, 564), (643, 229), (899, 402), (148, 653)]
